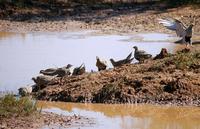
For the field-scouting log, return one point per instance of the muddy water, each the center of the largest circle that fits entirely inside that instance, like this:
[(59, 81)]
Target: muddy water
[(24, 55), (129, 116)]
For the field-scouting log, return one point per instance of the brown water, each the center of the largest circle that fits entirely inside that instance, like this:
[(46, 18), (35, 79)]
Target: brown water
[(24, 55), (115, 116)]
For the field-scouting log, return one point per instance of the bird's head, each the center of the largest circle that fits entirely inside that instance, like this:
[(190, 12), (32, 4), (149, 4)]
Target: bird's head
[(111, 60), (34, 79), (135, 47), (41, 71), (69, 66)]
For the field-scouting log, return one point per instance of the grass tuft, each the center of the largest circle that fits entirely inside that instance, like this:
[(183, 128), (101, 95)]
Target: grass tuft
[(12, 106), (181, 60), (186, 60)]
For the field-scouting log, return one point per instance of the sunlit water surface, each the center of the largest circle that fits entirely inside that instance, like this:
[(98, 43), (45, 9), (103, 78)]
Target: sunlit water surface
[(127, 116), (24, 55)]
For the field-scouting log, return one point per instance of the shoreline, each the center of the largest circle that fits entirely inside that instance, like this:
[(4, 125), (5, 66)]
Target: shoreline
[(44, 120), (109, 21)]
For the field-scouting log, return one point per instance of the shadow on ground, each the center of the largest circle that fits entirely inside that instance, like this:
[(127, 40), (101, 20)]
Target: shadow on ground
[(38, 11)]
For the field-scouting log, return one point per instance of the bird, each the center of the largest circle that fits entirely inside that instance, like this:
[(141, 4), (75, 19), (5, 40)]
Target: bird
[(49, 71), (23, 91), (42, 79), (41, 82), (59, 72), (79, 70), (63, 71), (141, 55), (101, 64), (181, 30), (118, 63), (163, 53)]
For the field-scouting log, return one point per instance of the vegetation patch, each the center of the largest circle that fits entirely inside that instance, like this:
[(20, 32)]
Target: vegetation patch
[(181, 60), (186, 60), (12, 106)]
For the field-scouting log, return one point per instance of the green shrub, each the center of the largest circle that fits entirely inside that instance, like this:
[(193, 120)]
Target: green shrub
[(9, 106)]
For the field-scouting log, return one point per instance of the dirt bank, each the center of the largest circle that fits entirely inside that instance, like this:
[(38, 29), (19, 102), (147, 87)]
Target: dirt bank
[(44, 120), (172, 80), (129, 18)]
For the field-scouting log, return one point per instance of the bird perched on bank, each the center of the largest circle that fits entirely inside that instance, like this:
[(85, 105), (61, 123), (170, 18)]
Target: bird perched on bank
[(181, 30), (127, 60), (163, 53), (141, 55), (101, 64), (79, 70), (23, 91), (59, 72), (63, 71), (42, 81)]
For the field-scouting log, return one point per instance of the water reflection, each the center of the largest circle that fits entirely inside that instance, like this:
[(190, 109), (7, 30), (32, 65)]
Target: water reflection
[(24, 55), (4, 35), (152, 37), (130, 116)]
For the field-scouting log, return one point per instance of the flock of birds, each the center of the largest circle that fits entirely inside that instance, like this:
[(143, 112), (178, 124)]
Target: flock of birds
[(139, 55), (172, 24), (50, 73)]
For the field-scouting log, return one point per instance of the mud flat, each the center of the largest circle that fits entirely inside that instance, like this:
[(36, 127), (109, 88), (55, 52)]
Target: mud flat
[(43, 120), (128, 18)]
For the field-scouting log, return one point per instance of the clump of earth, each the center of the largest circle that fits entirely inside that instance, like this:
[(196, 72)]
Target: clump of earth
[(171, 80)]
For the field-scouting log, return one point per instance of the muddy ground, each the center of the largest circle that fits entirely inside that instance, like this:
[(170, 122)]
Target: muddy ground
[(107, 18), (172, 80), (43, 120)]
